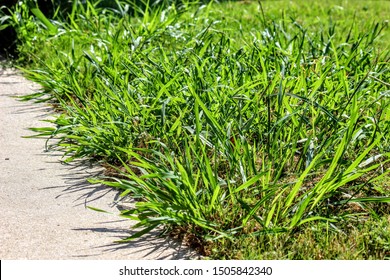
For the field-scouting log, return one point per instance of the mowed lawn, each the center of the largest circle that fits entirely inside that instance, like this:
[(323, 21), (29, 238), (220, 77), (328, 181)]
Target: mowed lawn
[(246, 129)]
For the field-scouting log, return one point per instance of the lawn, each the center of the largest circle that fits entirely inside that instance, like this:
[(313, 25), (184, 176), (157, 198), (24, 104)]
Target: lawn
[(248, 130)]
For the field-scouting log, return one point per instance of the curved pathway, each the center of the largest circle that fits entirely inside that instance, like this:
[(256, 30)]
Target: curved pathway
[(42, 202)]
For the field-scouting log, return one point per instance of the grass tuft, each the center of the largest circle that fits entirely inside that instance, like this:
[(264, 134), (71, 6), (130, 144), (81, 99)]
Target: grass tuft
[(233, 124)]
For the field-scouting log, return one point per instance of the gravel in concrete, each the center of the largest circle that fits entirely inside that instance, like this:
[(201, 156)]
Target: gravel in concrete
[(42, 202)]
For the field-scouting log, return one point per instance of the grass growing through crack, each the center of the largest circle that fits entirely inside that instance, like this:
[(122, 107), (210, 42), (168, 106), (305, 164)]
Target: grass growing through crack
[(247, 126)]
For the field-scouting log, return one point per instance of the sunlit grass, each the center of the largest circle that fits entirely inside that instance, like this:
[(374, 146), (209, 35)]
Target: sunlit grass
[(232, 123)]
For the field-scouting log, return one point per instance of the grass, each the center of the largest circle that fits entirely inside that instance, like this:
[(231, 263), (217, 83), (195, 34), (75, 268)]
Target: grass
[(233, 124)]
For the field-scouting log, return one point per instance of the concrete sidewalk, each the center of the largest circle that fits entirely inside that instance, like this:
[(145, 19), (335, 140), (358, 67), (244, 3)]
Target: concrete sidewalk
[(42, 202)]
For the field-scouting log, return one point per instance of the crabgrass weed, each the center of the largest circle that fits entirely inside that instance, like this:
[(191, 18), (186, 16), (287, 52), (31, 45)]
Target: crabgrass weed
[(233, 123)]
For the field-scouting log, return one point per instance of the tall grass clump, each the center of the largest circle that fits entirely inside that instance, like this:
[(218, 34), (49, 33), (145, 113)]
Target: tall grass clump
[(222, 132)]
